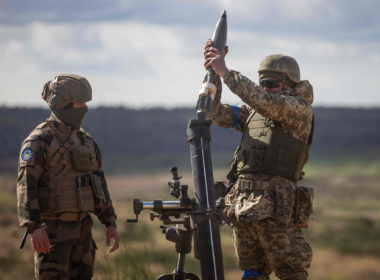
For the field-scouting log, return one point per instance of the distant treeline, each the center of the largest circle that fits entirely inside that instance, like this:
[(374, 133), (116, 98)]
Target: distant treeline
[(155, 139)]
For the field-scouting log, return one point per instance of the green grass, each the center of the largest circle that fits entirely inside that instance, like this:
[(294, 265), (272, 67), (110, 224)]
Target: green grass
[(7, 199), (346, 221), (354, 236), (350, 166), (128, 265), (138, 232)]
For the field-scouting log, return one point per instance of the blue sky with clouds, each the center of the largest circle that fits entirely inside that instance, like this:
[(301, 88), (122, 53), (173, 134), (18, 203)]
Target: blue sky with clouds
[(149, 53)]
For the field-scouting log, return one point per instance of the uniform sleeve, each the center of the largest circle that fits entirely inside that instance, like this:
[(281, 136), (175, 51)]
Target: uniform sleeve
[(228, 116), (30, 168), (293, 111), (106, 213)]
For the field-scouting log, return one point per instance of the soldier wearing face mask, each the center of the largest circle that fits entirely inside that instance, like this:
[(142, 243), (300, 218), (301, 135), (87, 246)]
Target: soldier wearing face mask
[(265, 203), (60, 182)]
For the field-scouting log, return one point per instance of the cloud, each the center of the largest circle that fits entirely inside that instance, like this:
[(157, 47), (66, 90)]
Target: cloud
[(322, 18), (128, 63), (149, 53)]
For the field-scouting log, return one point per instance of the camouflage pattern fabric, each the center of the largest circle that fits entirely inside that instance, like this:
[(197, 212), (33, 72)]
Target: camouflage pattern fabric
[(272, 197), (73, 252), (266, 246), (291, 107), (34, 174), (259, 277), (265, 235), (73, 245)]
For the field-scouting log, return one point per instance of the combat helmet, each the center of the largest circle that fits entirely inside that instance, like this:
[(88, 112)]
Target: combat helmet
[(281, 64), (66, 89)]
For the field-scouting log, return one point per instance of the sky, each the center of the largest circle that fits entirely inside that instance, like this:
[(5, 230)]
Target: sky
[(149, 53)]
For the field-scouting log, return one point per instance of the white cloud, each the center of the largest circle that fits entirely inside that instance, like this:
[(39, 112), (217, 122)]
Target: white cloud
[(138, 63), (127, 63)]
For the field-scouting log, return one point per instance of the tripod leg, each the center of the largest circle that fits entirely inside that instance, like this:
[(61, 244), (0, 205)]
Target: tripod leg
[(165, 277), (191, 276)]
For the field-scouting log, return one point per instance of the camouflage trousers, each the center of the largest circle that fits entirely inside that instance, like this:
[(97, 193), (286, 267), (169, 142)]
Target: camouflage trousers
[(266, 246), (73, 252)]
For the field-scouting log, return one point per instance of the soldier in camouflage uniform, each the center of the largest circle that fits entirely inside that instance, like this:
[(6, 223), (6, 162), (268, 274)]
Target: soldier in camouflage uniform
[(267, 207), (60, 181)]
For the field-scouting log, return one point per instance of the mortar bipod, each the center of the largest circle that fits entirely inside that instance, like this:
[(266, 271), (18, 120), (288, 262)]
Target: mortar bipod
[(182, 238)]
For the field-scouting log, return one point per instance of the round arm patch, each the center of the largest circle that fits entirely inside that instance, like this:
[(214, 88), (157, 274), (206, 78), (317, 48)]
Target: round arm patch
[(27, 154)]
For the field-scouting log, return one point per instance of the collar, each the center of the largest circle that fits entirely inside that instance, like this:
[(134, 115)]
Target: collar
[(303, 89), (57, 124), (288, 92)]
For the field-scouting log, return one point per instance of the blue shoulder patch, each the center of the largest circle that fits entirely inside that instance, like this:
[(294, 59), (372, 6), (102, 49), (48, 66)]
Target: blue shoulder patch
[(236, 110), (27, 154)]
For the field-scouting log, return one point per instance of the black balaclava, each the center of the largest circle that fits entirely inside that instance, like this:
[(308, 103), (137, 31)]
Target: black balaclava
[(70, 116)]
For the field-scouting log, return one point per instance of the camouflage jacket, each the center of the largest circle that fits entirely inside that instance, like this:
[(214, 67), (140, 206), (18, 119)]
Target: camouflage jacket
[(292, 109), (35, 172)]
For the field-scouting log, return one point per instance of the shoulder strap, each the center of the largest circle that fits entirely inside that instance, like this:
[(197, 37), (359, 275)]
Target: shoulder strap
[(64, 146), (246, 124)]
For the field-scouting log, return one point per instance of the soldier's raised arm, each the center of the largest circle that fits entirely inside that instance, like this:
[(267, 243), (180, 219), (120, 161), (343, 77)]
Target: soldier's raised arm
[(225, 115), (292, 107)]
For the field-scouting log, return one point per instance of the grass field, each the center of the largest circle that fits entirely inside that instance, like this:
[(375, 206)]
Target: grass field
[(344, 233)]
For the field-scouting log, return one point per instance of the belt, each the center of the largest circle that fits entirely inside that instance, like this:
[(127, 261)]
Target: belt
[(245, 185), (65, 217)]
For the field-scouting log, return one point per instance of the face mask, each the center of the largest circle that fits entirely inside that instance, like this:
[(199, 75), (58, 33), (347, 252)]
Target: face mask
[(71, 116)]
